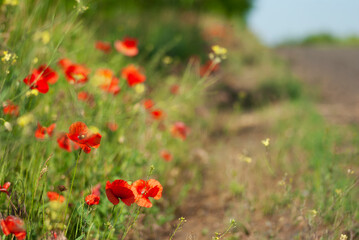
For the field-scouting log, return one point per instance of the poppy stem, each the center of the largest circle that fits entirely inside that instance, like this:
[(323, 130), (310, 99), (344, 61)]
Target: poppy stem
[(132, 223), (116, 218), (72, 183)]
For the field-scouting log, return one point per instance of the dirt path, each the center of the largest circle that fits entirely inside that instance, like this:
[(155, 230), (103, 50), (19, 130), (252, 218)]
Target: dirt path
[(335, 71)]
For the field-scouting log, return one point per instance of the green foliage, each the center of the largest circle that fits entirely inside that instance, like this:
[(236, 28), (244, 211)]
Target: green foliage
[(226, 7), (324, 39)]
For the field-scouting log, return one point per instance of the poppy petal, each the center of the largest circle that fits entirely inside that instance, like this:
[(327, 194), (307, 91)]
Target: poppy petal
[(94, 140), (155, 189), (50, 129), (4, 228), (6, 185), (110, 196), (144, 202)]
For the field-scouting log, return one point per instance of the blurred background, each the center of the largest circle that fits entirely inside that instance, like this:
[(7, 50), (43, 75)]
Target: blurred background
[(283, 21)]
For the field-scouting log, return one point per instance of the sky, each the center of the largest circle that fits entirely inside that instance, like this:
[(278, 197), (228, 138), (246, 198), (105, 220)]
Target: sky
[(277, 20)]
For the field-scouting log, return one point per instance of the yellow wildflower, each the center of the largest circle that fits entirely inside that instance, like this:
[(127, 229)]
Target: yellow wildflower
[(219, 50), (11, 2), (244, 158), (343, 237), (339, 192), (266, 142), (25, 119), (313, 213), (43, 36), (31, 92), (140, 88), (6, 57)]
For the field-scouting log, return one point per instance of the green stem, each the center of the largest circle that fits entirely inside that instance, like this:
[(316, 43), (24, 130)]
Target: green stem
[(116, 219), (268, 160), (133, 222), (72, 183)]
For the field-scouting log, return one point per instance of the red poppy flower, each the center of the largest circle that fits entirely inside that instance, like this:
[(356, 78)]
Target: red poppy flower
[(10, 109), (92, 199), (157, 114), (50, 75), (79, 133), (166, 155), (35, 81), (133, 75), (112, 126), (174, 89), (5, 188), (127, 47), (13, 225), (103, 46), (180, 130), (208, 68), (77, 74), (41, 131), (148, 104), (54, 196), (41, 78), (96, 190), (120, 189), (112, 87), (145, 189)]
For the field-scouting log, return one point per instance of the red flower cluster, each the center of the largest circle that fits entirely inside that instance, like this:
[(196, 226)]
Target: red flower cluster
[(138, 192), (13, 225), (103, 46), (4, 188), (54, 196), (133, 75), (10, 109), (41, 78), (41, 131), (79, 133), (179, 130), (74, 73), (128, 46)]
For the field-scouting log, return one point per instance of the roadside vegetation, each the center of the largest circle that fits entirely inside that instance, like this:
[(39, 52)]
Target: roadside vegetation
[(112, 120)]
